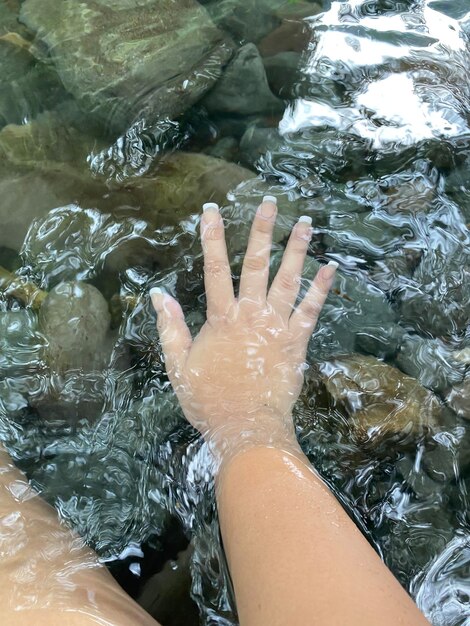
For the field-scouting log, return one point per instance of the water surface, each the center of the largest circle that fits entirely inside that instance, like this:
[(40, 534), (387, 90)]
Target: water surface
[(117, 121)]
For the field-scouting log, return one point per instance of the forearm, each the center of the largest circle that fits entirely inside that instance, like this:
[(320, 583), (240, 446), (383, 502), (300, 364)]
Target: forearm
[(48, 575), (295, 556)]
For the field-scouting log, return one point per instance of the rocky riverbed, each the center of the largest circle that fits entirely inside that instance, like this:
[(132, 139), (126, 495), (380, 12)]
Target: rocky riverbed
[(117, 121)]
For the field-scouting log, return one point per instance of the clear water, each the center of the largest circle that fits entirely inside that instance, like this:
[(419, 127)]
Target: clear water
[(107, 148)]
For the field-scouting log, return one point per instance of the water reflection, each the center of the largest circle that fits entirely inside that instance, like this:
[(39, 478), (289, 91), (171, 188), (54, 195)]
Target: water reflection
[(371, 140)]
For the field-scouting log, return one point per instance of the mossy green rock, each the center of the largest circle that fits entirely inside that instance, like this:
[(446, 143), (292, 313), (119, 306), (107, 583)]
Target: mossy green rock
[(130, 58)]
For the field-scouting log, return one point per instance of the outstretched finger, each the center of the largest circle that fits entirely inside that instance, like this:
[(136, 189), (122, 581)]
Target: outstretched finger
[(304, 319), (217, 276), (286, 284), (255, 271), (174, 334)]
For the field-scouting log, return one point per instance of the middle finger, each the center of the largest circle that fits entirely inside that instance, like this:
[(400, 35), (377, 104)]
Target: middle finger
[(255, 271)]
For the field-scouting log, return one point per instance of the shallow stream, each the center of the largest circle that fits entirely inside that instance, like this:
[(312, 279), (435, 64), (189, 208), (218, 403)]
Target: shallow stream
[(117, 121)]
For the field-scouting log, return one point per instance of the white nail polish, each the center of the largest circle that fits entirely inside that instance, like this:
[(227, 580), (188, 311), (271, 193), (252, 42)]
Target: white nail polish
[(305, 219), (333, 264), (270, 199), (156, 291), (210, 206)]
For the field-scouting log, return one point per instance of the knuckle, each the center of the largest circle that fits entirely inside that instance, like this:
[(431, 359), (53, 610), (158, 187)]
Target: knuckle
[(255, 263), (215, 268), (213, 232), (288, 281), (311, 309)]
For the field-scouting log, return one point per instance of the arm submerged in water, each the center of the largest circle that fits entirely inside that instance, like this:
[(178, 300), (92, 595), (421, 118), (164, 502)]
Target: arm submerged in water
[(49, 577), (295, 556)]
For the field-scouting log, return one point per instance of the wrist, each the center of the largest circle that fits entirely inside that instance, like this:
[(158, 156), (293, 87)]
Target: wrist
[(265, 429)]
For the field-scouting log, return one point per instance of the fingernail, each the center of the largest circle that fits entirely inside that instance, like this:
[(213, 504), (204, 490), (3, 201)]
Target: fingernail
[(270, 199), (305, 219), (329, 270), (211, 213), (268, 207), (155, 291)]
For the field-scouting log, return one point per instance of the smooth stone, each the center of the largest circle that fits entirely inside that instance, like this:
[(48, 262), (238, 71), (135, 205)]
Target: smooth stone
[(257, 142), (75, 321), (27, 86), (370, 235), (283, 72), (290, 36), (423, 485), (9, 11), (243, 88), (225, 148), (390, 272), (459, 398), (431, 362), (379, 400), (236, 125), (44, 166), (380, 341), (245, 20), (130, 61), (450, 459), (75, 243), (34, 193), (437, 300), (44, 141), (182, 183)]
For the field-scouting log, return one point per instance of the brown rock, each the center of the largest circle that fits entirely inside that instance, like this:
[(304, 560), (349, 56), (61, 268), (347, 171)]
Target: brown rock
[(378, 399), (291, 36)]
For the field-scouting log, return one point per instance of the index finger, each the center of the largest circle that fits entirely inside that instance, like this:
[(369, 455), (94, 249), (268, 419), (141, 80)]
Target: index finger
[(255, 271)]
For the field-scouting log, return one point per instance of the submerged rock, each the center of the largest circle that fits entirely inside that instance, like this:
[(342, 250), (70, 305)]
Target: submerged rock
[(245, 20), (44, 142), (183, 182), (437, 300), (74, 243), (283, 73), (166, 596), (381, 341), (256, 142), (75, 320), (127, 59), (243, 88), (27, 86), (225, 148), (43, 167), (459, 398), (291, 36), (433, 363), (378, 399), (21, 345)]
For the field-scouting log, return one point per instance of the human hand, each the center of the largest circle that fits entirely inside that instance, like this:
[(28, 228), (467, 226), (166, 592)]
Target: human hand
[(240, 377)]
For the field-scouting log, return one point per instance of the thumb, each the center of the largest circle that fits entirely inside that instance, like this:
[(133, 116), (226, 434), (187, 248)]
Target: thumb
[(174, 333)]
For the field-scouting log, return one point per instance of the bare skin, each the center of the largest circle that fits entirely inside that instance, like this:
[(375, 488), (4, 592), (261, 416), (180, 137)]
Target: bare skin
[(49, 577), (295, 557)]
